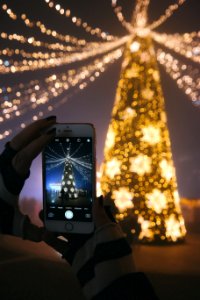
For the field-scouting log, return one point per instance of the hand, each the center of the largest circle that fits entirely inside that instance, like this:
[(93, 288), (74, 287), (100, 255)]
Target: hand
[(15, 162), (73, 242), (16, 159), (29, 143)]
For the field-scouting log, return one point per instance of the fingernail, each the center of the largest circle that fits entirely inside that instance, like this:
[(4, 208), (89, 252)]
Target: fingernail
[(101, 201), (51, 131), (50, 118)]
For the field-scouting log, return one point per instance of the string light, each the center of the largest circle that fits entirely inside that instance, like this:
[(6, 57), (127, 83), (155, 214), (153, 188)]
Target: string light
[(186, 44), (186, 77), (140, 14), (44, 30), (38, 93), (35, 43), (168, 13), (36, 55), (120, 16), (30, 65), (79, 22), (10, 13)]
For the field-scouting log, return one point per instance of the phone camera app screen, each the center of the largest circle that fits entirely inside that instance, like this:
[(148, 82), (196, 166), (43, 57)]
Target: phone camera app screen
[(68, 178)]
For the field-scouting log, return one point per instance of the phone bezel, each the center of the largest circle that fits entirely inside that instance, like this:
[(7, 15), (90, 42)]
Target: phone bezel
[(72, 130)]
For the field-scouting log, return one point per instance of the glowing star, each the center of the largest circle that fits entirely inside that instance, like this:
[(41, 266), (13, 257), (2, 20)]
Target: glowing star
[(123, 199), (140, 164), (156, 201), (167, 170), (151, 135), (147, 94), (110, 139), (174, 228), (134, 47), (113, 168), (146, 232), (128, 113)]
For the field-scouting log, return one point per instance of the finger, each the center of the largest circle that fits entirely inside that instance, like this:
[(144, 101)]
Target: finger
[(23, 159), (31, 132), (99, 214)]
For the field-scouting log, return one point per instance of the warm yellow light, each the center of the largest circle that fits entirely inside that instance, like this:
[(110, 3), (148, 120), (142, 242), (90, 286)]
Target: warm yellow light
[(156, 200), (135, 46), (146, 231), (140, 164), (167, 169), (151, 135), (113, 168), (123, 199), (110, 139), (174, 228)]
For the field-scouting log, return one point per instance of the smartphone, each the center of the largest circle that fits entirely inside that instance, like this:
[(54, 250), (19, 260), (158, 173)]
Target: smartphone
[(69, 179)]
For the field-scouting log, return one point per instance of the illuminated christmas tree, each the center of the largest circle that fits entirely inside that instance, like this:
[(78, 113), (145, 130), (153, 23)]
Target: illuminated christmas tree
[(138, 171), (68, 186)]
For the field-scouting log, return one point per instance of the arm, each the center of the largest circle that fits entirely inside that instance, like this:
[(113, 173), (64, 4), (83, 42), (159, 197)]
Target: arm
[(15, 162), (103, 262)]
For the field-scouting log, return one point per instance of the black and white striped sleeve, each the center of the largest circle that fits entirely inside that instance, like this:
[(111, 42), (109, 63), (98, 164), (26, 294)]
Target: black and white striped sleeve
[(105, 268), (11, 219)]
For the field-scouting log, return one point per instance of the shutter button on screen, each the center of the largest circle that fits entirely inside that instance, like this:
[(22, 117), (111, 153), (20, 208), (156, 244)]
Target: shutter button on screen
[(69, 214)]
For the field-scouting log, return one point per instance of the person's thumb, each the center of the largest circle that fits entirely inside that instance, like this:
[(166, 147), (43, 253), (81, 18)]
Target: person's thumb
[(101, 214)]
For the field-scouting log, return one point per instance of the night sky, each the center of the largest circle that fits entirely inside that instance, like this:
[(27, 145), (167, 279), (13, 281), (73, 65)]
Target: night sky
[(94, 104)]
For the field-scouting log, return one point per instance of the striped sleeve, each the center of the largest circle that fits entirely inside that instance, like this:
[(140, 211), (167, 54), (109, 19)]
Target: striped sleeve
[(11, 219), (104, 265)]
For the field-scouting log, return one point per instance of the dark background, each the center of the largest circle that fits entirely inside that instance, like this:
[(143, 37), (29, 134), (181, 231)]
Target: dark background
[(94, 104)]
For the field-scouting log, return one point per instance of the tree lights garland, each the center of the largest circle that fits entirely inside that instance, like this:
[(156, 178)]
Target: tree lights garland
[(120, 16), (43, 29), (29, 55), (138, 173), (35, 43), (30, 65), (79, 22), (186, 77), (37, 93), (187, 45), (168, 13)]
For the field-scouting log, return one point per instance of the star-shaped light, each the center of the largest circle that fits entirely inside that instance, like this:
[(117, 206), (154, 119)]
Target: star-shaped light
[(147, 94), (123, 199), (151, 135), (140, 164), (167, 170), (113, 168), (156, 200), (146, 230), (128, 113), (174, 228)]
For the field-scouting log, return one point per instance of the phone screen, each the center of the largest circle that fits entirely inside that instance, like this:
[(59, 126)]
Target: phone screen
[(68, 174)]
